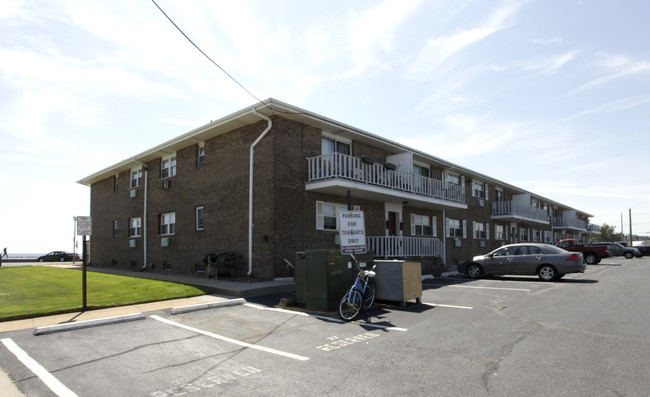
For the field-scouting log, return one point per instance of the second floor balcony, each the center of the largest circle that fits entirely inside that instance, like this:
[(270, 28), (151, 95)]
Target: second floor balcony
[(366, 177), (567, 222), (514, 211)]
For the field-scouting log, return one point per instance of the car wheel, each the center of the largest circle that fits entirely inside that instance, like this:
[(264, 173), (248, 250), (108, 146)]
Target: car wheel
[(591, 259), (547, 273), (629, 255), (41, 260), (62, 259), (474, 271)]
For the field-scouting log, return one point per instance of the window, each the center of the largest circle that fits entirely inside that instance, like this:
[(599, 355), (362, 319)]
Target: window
[(135, 227), (168, 223), (547, 237), (136, 178), (478, 189), (168, 167), (200, 156), (481, 230), (456, 228), (114, 228), (523, 234), (453, 178), (421, 170), (115, 182), (537, 236), (500, 195), (199, 218), (499, 232), (421, 225), (330, 145), (327, 215)]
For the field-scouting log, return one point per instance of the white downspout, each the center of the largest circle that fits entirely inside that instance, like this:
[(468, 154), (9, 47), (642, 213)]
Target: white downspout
[(144, 227), (444, 238), (250, 191)]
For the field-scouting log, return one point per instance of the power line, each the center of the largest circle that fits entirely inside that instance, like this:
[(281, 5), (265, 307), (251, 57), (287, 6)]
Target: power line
[(206, 55)]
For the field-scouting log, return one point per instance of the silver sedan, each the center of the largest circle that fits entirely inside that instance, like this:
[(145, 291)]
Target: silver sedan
[(546, 261)]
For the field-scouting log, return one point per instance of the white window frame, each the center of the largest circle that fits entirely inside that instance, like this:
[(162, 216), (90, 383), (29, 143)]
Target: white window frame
[(419, 221), (336, 141), (481, 230), (321, 207), (200, 155), (114, 228), (200, 222), (168, 224), (499, 232), (500, 194), (453, 178), (524, 235), (458, 226), (168, 166), (135, 227), (136, 178), (537, 236)]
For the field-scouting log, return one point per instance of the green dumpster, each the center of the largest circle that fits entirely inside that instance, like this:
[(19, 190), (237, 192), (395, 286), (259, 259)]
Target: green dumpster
[(323, 277)]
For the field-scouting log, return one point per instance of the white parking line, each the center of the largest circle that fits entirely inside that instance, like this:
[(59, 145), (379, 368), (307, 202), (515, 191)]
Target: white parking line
[(452, 306), (497, 288), (47, 378), (230, 340), (332, 319)]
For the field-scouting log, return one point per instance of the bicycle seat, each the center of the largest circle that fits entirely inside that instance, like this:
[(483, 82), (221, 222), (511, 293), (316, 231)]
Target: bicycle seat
[(369, 273)]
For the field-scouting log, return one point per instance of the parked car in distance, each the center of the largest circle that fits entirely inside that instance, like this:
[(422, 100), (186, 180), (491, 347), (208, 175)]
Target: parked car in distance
[(546, 261), (57, 256), (592, 253), (619, 250)]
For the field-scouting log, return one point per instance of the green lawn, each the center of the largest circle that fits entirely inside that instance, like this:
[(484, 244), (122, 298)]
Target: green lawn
[(33, 291)]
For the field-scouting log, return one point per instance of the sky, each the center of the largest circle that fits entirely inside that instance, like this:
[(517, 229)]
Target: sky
[(552, 96)]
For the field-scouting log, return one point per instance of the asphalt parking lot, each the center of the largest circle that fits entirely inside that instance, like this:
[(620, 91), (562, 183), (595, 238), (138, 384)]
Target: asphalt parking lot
[(584, 334)]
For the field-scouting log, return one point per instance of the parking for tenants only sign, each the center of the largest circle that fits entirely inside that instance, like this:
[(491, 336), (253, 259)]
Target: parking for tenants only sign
[(352, 228)]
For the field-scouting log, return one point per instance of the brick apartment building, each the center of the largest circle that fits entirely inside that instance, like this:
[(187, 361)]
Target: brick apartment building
[(167, 207)]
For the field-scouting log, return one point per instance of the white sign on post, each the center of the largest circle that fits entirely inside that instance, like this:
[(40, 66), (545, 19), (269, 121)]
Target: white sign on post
[(83, 226), (352, 227)]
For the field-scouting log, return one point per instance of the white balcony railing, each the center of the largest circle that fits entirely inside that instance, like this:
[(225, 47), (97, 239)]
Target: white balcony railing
[(515, 209), (402, 247), (593, 228), (337, 165), (565, 221)]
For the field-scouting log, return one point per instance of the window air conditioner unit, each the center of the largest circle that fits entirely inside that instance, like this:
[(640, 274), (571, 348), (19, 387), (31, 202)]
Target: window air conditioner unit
[(457, 243), (482, 244), (481, 203), (133, 193), (166, 184), (133, 243), (164, 242)]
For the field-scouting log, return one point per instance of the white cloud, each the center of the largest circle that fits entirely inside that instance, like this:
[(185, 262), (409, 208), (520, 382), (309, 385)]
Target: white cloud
[(441, 48), (548, 65), (616, 67)]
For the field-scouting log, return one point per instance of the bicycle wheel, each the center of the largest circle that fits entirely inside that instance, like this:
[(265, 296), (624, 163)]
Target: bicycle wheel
[(368, 296), (350, 305)]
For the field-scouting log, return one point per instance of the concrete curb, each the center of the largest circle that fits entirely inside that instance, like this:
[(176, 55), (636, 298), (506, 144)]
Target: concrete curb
[(50, 329), (209, 305)]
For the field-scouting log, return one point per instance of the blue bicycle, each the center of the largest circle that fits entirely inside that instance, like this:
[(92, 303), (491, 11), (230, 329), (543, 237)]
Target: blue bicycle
[(360, 296)]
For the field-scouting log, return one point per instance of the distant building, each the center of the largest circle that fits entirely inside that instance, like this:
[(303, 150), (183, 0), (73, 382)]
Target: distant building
[(167, 207)]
